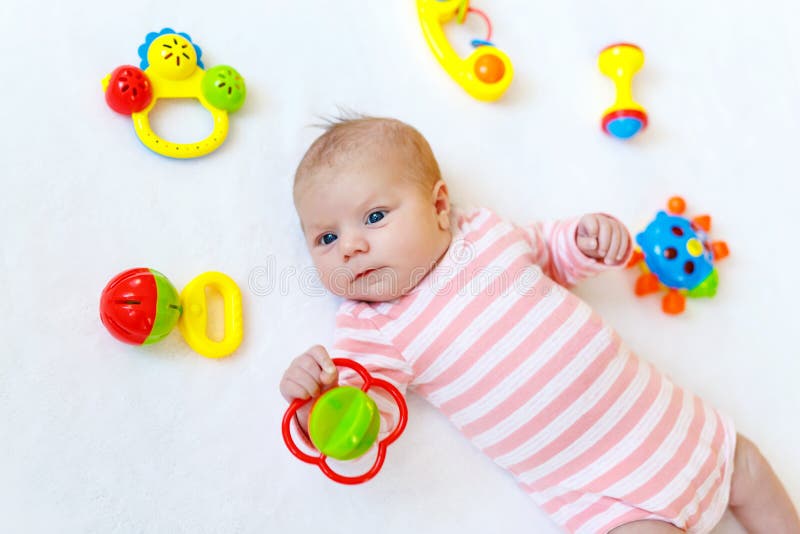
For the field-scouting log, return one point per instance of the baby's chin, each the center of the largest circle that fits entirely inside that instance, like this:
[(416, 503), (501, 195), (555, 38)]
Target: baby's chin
[(366, 297)]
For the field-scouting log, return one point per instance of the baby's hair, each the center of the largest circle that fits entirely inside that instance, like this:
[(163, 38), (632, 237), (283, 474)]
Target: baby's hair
[(351, 131)]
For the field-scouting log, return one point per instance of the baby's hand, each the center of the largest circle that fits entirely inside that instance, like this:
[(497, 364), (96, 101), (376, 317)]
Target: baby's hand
[(309, 374), (603, 238)]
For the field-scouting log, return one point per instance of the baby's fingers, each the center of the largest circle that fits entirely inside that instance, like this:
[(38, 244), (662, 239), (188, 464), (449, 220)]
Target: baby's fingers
[(624, 243), (323, 360), (291, 390), (587, 245), (588, 226), (298, 383), (613, 246), (604, 232)]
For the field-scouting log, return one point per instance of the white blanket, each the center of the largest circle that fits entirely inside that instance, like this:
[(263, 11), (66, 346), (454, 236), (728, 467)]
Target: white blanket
[(101, 437)]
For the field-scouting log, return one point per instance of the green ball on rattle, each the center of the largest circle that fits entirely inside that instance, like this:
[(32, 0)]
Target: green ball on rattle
[(344, 423)]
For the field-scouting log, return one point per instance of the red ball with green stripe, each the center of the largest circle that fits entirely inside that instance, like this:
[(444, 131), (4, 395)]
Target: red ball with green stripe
[(140, 306)]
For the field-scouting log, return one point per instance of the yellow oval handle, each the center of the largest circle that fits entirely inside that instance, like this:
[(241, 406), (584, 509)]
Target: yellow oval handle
[(159, 145), (190, 87), (194, 319)]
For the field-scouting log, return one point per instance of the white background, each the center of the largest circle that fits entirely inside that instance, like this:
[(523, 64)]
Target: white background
[(96, 436)]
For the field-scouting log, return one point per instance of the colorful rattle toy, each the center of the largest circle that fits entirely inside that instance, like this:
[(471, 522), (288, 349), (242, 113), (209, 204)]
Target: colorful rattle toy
[(171, 68), (487, 72), (625, 118), (140, 306), (343, 424), (676, 253)]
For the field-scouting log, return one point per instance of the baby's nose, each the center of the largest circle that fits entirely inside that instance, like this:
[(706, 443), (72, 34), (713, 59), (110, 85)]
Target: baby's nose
[(354, 245)]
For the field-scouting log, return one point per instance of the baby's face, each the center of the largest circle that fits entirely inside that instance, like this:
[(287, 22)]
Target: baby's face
[(373, 234)]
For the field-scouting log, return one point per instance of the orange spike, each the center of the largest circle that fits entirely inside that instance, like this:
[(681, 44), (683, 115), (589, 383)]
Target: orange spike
[(676, 205), (703, 222), (647, 283), (673, 302), (636, 257), (719, 250)]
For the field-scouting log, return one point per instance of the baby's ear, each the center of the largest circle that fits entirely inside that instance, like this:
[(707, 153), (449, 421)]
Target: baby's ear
[(441, 202)]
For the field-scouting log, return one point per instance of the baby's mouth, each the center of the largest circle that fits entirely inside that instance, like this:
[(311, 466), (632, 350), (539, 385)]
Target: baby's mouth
[(362, 274)]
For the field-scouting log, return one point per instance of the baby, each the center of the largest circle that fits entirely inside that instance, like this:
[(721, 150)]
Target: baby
[(471, 312)]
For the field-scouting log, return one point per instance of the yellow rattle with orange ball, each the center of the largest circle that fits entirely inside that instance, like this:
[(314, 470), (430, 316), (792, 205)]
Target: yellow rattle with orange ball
[(171, 67), (487, 72)]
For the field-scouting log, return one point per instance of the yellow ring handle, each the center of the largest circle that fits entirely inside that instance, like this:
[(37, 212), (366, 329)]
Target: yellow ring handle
[(185, 88), (159, 145), (432, 15), (194, 319)]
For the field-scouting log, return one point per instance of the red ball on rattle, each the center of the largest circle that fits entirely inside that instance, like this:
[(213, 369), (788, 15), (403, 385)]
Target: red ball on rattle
[(129, 90), (139, 306)]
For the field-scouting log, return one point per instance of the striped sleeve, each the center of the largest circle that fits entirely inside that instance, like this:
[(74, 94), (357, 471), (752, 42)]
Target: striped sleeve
[(357, 338), (556, 251)]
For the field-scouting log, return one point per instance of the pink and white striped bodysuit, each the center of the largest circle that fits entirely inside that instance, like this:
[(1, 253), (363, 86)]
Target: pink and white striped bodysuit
[(539, 383)]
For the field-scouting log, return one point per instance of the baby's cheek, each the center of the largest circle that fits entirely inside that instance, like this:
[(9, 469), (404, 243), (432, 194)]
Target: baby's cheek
[(413, 257)]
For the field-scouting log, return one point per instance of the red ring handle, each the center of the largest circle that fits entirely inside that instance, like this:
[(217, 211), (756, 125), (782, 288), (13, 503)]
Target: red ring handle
[(321, 460)]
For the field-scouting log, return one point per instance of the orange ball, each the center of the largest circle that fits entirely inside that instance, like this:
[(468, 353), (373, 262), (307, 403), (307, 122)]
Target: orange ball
[(676, 205), (489, 68)]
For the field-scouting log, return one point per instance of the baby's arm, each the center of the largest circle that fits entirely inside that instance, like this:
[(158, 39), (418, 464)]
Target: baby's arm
[(572, 250), (359, 339), (312, 373)]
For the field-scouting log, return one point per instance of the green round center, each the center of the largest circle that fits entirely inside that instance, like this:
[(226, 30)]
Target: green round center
[(344, 423)]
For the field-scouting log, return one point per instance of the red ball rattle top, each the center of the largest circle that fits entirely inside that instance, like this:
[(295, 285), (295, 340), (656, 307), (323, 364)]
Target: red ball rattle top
[(343, 424)]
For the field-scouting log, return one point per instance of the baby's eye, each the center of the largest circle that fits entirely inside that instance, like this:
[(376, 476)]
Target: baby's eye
[(375, 216), (327, 239)]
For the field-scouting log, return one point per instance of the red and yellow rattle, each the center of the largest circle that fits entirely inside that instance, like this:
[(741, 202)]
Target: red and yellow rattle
[(171, 68), (343, 424), (141, 306)]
